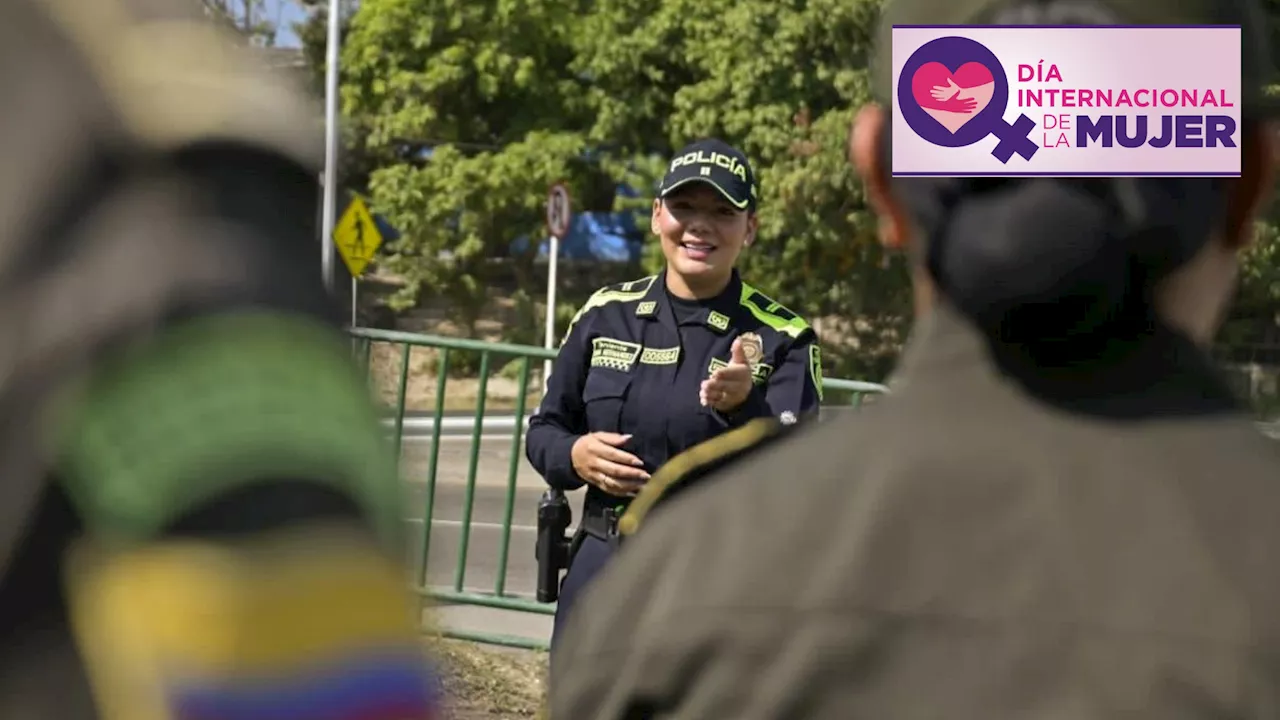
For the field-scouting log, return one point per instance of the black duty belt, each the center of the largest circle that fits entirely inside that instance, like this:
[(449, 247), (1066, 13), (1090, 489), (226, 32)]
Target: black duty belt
[(602, 523)]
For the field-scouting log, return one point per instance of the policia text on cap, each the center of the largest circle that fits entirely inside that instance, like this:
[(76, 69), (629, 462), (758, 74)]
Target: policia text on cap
[(652, 367)]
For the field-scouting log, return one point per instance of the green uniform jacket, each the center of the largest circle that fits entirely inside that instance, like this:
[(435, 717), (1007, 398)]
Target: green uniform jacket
[(973, 546)]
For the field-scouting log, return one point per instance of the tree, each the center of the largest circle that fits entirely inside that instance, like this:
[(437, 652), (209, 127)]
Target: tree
[(467, 111), (354, 164), (780, 79), (460, 210), (1256, 311), (313, 36), (248, 18), (461, 113)]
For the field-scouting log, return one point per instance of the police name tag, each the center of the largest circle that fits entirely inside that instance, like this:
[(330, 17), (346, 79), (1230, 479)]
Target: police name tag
[(614, 354)]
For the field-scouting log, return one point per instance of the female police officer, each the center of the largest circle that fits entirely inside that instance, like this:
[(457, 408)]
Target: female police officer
[(652, 367)]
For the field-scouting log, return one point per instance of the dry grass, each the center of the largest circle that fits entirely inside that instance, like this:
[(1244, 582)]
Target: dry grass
[(492, 683)]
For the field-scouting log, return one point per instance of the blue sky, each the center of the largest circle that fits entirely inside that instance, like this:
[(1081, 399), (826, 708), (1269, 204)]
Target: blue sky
[(285, 13)]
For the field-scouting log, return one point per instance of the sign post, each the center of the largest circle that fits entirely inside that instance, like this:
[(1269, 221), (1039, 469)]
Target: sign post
[(331, 141), (357, 238), (559, 219)]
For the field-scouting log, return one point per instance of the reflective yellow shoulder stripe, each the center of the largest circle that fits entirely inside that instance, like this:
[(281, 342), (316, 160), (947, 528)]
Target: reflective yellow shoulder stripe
[(793, 327), (634, 290), (680, 466), (815, 368)]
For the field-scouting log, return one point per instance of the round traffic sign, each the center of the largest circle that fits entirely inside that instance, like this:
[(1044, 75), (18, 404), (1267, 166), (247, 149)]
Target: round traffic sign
[(558, 212)]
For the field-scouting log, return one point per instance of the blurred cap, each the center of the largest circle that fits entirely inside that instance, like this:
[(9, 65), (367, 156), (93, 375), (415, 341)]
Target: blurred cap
[(717, 164), (1256, 69)]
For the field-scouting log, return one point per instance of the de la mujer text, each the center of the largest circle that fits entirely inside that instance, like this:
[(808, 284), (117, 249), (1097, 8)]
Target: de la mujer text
[(1191, 130)]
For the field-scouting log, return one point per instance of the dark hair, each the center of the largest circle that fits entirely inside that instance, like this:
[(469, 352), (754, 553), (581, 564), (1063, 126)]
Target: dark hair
[(1053, 261)]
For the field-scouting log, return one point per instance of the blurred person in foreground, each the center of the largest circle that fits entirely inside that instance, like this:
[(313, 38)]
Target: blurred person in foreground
[(198, 515), (1060, 512)]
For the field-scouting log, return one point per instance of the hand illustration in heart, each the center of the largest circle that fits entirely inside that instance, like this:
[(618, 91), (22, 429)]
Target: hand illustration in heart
[(953, 98)]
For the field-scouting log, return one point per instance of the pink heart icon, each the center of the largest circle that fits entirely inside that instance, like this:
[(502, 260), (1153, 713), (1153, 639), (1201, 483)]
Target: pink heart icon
[(953, 99)]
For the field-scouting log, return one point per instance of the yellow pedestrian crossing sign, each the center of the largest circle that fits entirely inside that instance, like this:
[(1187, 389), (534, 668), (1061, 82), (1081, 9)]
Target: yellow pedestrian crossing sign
[(357, 237)]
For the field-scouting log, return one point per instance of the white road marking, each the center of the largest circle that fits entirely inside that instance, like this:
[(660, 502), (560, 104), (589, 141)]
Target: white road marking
[(454, 438), (476, 524)]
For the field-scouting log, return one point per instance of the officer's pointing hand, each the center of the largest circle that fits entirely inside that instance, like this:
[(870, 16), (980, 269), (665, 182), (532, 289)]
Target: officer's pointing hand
[(599, 459), (727, 388)]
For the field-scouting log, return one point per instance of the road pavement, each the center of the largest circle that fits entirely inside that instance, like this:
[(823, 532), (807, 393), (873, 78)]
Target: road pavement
[(488, 512), (453, 462), (486, 536)]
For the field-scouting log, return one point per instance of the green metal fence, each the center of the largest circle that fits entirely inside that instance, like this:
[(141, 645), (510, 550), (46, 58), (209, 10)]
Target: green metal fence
[(491, 357)]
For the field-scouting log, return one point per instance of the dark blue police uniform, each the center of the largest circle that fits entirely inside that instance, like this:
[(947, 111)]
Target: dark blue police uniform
[(633, 361)]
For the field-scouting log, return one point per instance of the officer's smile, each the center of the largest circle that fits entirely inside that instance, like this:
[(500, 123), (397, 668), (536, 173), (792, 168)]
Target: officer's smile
[(697, 250)]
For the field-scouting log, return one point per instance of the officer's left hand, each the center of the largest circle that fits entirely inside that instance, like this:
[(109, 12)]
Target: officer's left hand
[(727, 388)]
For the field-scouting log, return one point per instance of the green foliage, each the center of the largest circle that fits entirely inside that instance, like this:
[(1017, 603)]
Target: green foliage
[(486, 86), (782, 81), (513, 95), (1260, 273), (458, 211), (460, 71), (516, 94), (749, 71)]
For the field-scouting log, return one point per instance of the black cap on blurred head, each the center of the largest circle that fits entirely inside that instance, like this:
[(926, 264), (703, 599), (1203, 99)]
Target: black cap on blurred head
[(717, 164)]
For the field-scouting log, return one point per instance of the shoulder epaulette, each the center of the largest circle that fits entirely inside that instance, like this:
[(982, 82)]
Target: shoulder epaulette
[(771, 312), (699, 461), (631, 287), (631, 291)]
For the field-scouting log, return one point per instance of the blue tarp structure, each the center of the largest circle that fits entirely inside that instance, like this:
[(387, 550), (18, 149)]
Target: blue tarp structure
[(389, 233), (599, 237), (593, 237), (603, 237)]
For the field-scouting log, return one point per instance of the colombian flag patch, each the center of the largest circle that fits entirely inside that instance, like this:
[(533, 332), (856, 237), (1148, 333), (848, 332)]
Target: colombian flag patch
[(317, 626), (364, 686)]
